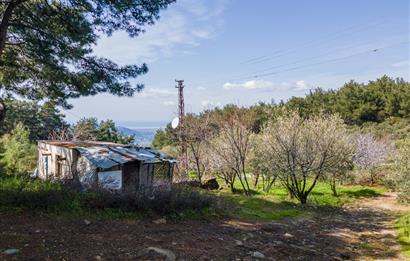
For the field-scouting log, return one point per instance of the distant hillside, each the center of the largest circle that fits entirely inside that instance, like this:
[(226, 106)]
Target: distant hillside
[(143, 136)]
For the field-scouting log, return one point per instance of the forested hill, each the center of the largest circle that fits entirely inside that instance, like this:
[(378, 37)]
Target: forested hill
[(379, 104), (358, 103)]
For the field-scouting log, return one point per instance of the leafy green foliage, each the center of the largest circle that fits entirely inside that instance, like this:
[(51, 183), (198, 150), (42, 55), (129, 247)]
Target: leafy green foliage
[(89, 129), (40, 119), (17, 155), (359, 103), (164, 137), (46, 47)]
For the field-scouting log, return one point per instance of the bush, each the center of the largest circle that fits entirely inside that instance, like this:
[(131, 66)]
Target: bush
[(20, 193), (23, 193), (399, 177), (180, 198)]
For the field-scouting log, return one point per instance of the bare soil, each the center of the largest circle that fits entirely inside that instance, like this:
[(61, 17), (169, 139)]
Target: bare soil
[(359, 231)]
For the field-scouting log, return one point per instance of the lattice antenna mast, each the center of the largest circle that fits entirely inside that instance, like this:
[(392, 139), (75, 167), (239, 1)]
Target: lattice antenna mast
[(181, 104), (181, 113)]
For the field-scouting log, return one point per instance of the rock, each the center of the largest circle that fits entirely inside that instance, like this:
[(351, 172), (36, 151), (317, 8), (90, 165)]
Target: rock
[(238, 243), (210, 184), (97, 258), (11, 251), (87, 222), (160, 221), (258, 255), (288, 235), (168, 254)]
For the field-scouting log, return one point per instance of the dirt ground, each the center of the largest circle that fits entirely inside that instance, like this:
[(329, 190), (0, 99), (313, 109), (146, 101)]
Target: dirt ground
[(360, 231)]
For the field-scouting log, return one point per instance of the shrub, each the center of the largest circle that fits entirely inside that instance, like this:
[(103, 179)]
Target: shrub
[(46, 197), (23, 193), (400, 176), (180, 198)]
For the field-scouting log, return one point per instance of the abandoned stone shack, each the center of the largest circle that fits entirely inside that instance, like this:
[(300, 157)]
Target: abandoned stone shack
[(111, 166)]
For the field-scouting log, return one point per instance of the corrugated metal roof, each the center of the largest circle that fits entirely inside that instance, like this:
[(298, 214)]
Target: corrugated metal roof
[(106, 155)]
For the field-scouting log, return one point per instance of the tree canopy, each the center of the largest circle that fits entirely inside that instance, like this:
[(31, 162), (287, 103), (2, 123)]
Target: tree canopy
[(90, 129), (40, 119), (46, 46)]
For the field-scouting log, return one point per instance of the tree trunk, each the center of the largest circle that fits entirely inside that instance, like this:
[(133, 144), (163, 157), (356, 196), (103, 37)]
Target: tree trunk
[(255, 183), (245, 190), (5, 22), (270, 184), (303, 199), (198, 169), (290, 194), (2, 110), (372, 178), (233, 190), (333, 187)]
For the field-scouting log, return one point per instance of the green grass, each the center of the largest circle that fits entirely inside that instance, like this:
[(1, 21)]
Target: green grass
[(48, 198), (277, 205), (403, 226)]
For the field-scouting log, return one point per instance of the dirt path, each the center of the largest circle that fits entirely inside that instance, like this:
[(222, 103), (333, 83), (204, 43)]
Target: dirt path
[(360, 231)]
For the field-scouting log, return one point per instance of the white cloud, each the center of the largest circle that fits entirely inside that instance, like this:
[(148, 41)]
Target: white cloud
[(156, 93), (249, 85), (299, 85), (200, 88), (169, 103), (185, 24), (263, 85)]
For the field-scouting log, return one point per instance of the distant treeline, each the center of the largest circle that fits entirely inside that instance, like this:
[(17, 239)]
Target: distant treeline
[(356, 103)]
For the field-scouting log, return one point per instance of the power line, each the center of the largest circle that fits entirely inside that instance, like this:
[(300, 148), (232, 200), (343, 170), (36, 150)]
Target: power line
[(329, 60), (355, 29), (301, 60), (373, 50)]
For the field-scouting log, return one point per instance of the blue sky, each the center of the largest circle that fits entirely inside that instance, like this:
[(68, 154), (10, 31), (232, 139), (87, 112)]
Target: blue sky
[(242, 52)]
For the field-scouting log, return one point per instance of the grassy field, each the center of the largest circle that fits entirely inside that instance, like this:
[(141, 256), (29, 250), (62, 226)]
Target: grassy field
[(44, 197), (403, 226), (277, 205)]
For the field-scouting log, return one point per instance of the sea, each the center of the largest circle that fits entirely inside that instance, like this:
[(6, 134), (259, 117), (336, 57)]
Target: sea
[(144, 131)]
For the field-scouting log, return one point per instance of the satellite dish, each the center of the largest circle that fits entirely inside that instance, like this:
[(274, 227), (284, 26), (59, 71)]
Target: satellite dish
[(175, 123)]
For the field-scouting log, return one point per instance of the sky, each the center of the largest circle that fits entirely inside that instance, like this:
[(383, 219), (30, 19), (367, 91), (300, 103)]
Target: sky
[(243, 52)]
